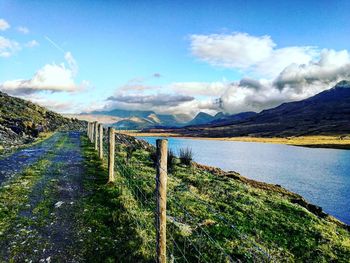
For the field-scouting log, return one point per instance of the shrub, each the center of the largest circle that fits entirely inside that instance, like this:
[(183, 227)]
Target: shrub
[(186, 156), (171, 159)]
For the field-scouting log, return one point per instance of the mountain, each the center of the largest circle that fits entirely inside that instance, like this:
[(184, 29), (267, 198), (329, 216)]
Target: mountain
[(22, 121), (133, 119), (223, 119), (207, 120), (123, 113), (327, 113), (201, 118)]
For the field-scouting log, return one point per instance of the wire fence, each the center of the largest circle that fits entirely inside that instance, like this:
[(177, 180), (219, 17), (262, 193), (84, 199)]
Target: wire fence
[(190, 236)]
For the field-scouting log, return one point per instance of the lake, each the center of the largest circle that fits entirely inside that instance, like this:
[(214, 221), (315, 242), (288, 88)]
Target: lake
[(321, 176)]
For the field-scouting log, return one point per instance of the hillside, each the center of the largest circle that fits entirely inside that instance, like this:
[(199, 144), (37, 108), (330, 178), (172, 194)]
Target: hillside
[(327, 113), (22, 121), (220, 118)]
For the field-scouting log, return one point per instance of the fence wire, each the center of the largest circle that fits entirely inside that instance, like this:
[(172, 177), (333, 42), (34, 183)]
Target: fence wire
[(188, 238)]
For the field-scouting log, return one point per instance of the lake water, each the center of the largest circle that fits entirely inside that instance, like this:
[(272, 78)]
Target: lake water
[(321, 176)]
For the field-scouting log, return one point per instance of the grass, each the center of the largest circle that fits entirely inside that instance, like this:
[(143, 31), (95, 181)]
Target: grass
[(14, 193), (186, 156), (315, 141), (211, 217)]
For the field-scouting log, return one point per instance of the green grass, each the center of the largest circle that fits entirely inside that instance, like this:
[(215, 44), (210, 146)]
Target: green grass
[(14, 194), (107, 225), (211, 217)]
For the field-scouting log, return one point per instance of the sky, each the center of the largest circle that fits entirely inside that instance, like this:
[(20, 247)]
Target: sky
[(172, 57)]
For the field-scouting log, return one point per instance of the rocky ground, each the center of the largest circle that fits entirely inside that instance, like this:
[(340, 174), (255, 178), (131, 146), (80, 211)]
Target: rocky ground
[(22, 122)]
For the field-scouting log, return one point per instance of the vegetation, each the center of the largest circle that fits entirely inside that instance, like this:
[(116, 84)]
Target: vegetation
[(186, 156), (212, 216), (21, 121), (315, 141)]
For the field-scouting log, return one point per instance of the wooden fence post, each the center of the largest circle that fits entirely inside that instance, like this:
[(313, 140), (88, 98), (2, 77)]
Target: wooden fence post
[(87, 129), (161, 184), (111, 159), (92, 132), (96, 135), (100, 152)]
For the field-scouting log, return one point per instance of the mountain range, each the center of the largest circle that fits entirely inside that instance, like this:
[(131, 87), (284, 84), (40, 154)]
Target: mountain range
[(139, 120), (324, 113), (327, 113)]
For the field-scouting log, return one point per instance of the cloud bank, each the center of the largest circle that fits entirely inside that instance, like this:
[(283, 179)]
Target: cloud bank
[(276, 75), (51, 77)]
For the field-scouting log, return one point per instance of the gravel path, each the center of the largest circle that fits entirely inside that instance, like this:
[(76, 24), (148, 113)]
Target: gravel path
[(45, 230), (18, 161)]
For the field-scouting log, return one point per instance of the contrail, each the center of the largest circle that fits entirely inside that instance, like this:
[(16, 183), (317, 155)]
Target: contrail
[(55, 45)]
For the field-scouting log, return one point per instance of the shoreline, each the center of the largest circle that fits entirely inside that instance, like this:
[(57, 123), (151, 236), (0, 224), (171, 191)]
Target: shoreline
[(313, 141)]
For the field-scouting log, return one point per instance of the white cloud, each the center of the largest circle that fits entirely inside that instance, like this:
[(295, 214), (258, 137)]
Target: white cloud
[(238, 50), (271, 76), (32, 43), (199, 88), (295, 82), (248, 53), (157, 100), (8, 47), (52, 77), (4, 25), (23, 29), (331, 67), (283, 57), (51, 104), (274, 75)]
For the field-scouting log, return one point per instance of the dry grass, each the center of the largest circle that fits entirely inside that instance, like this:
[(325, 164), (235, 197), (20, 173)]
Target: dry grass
[(320, 141)]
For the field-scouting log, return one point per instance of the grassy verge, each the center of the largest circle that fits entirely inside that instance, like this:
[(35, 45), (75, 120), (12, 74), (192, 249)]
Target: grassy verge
[(108, 225), (212, 216)]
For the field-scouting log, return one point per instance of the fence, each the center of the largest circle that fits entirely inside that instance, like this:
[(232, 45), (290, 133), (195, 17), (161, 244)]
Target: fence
[(171, 230)]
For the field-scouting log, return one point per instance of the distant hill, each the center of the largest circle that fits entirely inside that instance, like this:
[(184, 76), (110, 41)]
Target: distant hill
[(201, 118), (207, 120), (326, 113), (229, 119), (21, 121), (123, 113), (135, 119)]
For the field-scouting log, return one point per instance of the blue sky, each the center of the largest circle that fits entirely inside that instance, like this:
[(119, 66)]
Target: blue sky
[(116, 45)]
